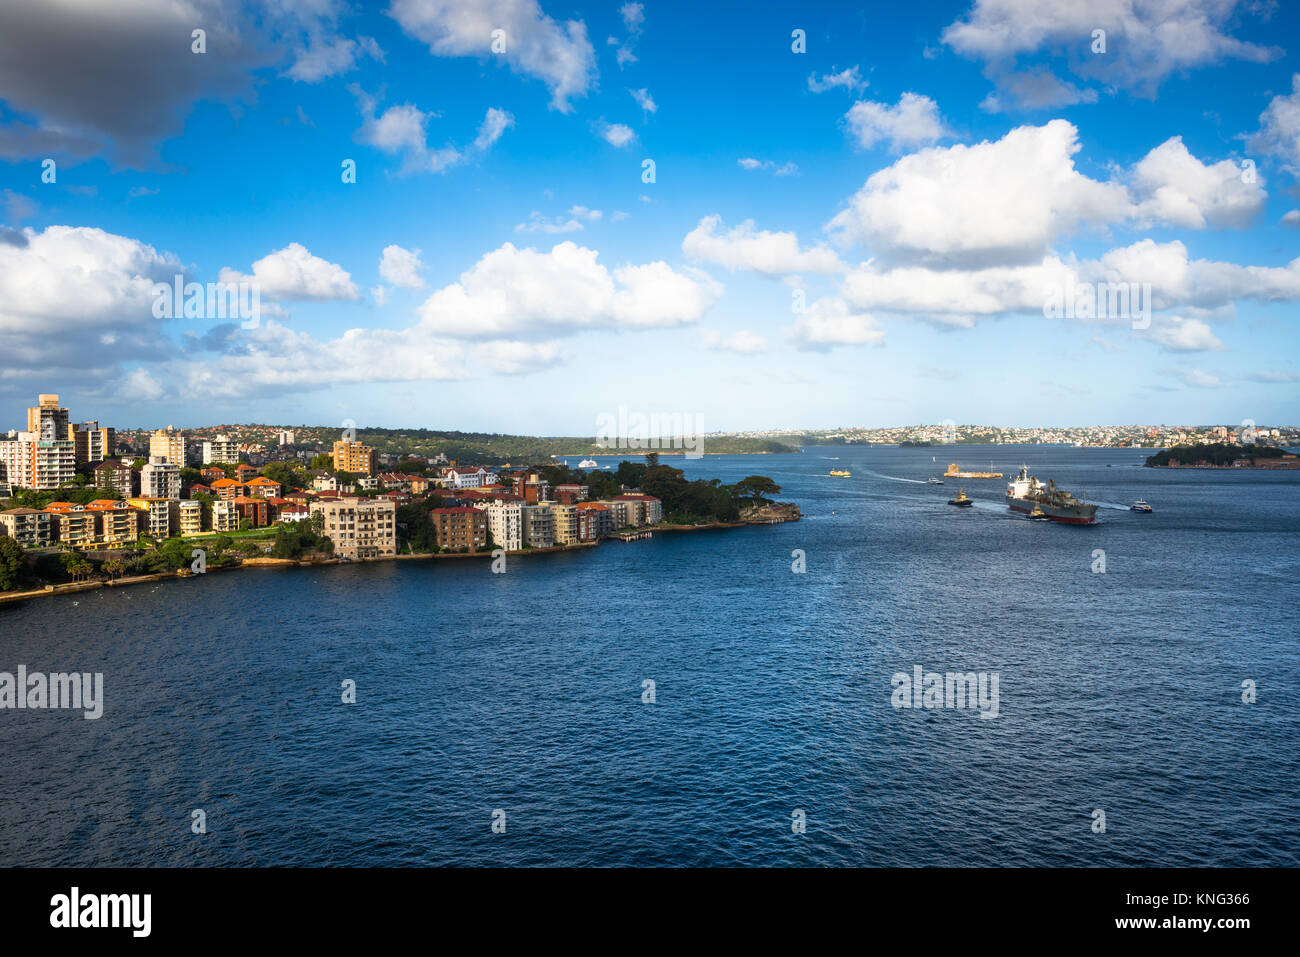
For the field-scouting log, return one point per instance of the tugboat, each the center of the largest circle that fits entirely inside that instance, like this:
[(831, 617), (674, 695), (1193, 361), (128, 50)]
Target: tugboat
[(1038, 515), (844, 473), (1139, 506), (961, 501), (933, 481)]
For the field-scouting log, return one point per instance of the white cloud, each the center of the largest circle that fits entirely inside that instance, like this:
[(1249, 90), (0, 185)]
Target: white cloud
[(784, 169), (537, 223), (742, 342), (293, 273), (65, 288), (400, 130), (1180, 190), (994, 202), (644, 100), (848, 79), (1145, 42), (512, 357), (536, 45), (401, 267), (744, 247), (913, 121), (514, 291), (325, 56), (830, 322), (1292, 219), (1174, 334), (616, 134), (633, 19), (1279, 128)]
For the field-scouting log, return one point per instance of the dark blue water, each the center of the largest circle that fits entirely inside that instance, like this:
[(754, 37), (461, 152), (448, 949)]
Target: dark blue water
[(522, 692)]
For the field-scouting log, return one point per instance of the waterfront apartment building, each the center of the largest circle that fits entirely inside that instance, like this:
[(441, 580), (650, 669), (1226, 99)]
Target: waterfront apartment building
[(116, 522), (222, 449), (355, 458), (642, 509), (160, 478), (359, 528), (506, 523), (570, 494), (71, 524), (90, 443), (29, 527), (187, 516), (156, 515), (539, 526), (225, 518), (595, 521), (32, 461), (168, 444), (256, 511), (459, 529), (566, 523)]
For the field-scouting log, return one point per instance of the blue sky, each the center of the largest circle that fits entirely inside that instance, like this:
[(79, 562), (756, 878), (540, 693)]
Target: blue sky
[(924, 177)]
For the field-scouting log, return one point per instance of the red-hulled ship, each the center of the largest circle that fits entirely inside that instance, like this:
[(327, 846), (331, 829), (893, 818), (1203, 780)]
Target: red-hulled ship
[(1025, 493)]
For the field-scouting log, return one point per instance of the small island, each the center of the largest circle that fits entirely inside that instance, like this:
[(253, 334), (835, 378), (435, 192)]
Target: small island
[(1222, 456)]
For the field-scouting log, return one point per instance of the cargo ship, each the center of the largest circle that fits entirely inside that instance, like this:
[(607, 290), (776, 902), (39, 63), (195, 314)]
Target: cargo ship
[(954, 471), (1026, 494)]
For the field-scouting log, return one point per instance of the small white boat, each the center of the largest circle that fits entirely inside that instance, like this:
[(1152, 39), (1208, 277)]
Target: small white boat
[(588, 464)]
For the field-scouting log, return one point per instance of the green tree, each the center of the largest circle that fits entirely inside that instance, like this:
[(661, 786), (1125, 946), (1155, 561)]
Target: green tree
[(13, 563)]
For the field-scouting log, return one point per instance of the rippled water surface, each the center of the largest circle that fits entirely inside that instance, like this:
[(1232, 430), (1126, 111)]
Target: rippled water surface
[(522, 692)]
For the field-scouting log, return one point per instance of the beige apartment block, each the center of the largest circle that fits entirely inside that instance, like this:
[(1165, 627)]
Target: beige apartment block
[(359, 528)]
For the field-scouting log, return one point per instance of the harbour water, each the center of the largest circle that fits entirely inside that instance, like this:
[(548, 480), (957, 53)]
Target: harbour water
[(1120, 691)]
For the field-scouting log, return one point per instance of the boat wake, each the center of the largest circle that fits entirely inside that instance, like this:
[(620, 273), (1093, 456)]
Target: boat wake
[(895, 478)]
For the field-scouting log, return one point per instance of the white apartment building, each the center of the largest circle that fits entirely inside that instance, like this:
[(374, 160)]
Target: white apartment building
[(359, 528), (160, 479), (467, 478), (187, 516), (225, 517), (222, 450), (506, 523), (29, 460)]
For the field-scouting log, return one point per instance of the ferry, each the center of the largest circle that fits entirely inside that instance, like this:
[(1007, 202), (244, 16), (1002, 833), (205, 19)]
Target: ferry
[(845, 473), (955, 471), (961, 501), (1139, 506), (588, 464)]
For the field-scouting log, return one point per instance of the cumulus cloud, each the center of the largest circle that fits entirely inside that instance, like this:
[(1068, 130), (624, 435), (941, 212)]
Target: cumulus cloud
[(745, 247), (400, 131), (994, 202), (616, 134), (1175, 334), (512, 357), (65, 290), (512, 292), (573, 221), (913, 121), (1279, 128), (1177, 189), (633, 15), (1005, 202), (401, 267), (559, 54), (1198, 378), (1145, 42), (829, 322), (293, 273), (847, 79), (1292, 219)]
